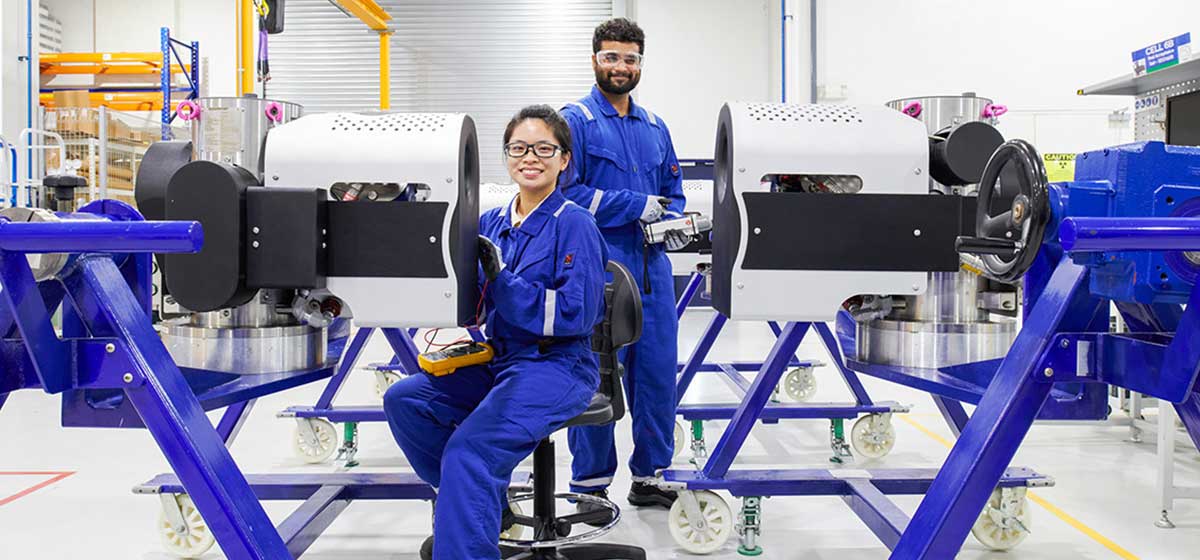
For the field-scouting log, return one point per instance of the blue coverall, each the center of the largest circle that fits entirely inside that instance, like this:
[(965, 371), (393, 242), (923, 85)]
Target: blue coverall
[(619, 162), (465, 432)]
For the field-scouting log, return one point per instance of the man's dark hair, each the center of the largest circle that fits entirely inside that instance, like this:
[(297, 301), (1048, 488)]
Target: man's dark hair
[(558, 125), (620, 30)]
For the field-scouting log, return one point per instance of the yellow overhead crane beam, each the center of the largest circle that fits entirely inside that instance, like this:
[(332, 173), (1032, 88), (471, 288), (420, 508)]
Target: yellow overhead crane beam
[(376, 18)]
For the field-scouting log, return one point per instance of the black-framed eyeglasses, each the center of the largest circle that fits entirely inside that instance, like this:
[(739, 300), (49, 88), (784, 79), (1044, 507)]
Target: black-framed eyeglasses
[(544, 150)]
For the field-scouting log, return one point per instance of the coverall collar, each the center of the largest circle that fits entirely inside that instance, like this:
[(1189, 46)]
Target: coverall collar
[(608, 110), (533, 223)]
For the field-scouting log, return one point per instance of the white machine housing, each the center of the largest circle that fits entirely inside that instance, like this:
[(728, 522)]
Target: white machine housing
[(885, 148), (430, 149)]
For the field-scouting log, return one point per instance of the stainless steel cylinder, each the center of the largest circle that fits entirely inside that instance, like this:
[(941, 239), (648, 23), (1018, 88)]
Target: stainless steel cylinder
[(940, 111), (261, 312), (246, 351), (922, 344), (951, 297), (234, 130)]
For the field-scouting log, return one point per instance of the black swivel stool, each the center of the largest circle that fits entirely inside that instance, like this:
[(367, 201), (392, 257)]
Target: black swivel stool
[(552, 540)]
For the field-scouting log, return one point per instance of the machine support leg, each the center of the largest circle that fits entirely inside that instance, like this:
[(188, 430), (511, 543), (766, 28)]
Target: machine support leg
[(1003, 417), (349, 359), (698, 355), (405, 349), (1165, 445), (173, 416), (953, 412), (233, 419), (848, 375), (688, 293), (750, 410)]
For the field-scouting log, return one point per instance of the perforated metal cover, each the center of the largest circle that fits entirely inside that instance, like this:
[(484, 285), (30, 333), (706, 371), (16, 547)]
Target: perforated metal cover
[(438, 150), (885, 148), (783, 112)]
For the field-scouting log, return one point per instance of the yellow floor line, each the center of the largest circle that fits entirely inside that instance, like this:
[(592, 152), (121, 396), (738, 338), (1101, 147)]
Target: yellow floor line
[(1053, 509)]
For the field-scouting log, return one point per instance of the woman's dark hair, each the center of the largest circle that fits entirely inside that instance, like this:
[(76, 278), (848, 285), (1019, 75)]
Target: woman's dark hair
[(547, 114), (620, 30)]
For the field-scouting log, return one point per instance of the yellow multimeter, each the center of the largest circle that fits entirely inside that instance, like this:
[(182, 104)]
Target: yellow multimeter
[(445, 361)]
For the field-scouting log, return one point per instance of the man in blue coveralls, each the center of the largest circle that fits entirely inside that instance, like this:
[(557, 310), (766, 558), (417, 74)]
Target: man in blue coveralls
[(626, 174)]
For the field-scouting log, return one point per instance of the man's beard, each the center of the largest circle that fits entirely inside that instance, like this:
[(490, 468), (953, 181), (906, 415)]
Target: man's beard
[(606, 84)]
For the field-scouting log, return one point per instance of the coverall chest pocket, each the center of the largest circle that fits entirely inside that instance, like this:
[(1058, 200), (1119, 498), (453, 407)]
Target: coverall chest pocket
[(537, 264)]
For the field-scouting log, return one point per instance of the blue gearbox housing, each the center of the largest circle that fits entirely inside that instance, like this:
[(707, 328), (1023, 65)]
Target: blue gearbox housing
[(1145, 179)]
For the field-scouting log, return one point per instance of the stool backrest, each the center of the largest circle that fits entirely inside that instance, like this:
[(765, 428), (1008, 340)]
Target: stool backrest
[(622, 326)]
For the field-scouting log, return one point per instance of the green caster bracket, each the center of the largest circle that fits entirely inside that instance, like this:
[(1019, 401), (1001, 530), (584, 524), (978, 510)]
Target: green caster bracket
[(349, 446), (749, 526), (699, 448), (837, 441)]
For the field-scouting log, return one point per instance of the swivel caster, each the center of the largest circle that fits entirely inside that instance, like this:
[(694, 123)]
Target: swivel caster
[(800, 384), (873, 435), (384, 380), (182, 531), (315, 441), (1005, 519), (700, 521)]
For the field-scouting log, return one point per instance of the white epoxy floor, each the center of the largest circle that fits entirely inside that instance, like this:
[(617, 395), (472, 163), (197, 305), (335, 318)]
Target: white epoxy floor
[(1103, 506)]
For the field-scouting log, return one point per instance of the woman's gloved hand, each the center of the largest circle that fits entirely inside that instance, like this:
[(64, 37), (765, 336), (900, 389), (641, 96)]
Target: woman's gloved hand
[(490, 258), (656, 206), (675, 240)]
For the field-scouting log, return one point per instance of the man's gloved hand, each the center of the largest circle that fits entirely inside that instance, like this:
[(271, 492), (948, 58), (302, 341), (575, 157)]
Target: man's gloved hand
[(490, 258), (656, 206), (675, 240)]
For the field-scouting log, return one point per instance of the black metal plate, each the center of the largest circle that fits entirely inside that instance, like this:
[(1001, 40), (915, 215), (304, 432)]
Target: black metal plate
[(212, 194), (872, 232), (287, 225), (386, 239)]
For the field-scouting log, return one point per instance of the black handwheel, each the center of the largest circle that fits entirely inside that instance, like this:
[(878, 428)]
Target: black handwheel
[(1008, 243)]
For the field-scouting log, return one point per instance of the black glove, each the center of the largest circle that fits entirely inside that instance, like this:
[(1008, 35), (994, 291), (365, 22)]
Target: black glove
[(675, 240), (490, 258)]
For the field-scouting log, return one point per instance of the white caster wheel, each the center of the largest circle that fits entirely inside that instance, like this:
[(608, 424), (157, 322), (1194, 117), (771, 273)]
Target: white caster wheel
[(384, 380), (1005, 520), (800, 384), (192, 538), (315, 440), (710, 531), (680, 438), (873, 435), (516, 532)]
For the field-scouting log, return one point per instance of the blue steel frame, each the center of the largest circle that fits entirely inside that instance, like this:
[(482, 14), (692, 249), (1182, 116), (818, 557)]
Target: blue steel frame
[(732, 374), (109, 346), (404, 362)]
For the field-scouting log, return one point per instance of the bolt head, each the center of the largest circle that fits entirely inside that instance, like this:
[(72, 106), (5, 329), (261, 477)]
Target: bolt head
[(916, 287), (916, 233), (110, 348), (757, 230), (274, 177), (432, 239), (741, 170), (1065, 343), (917, 171), (448, 294), (449, 179), (1048, 372), (128, 378), (740, 285), (254, 244), (255, 230)]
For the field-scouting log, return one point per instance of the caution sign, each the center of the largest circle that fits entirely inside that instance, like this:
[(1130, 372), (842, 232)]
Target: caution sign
[(1059, 167)]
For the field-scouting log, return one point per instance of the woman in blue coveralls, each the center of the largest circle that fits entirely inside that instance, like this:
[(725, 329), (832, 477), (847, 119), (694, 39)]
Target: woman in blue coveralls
[(543, 260)]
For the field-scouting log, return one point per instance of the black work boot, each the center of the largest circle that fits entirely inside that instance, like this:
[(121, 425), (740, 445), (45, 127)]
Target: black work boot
[(427, 548), (646, 494), (507, 518), (588, 507)]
